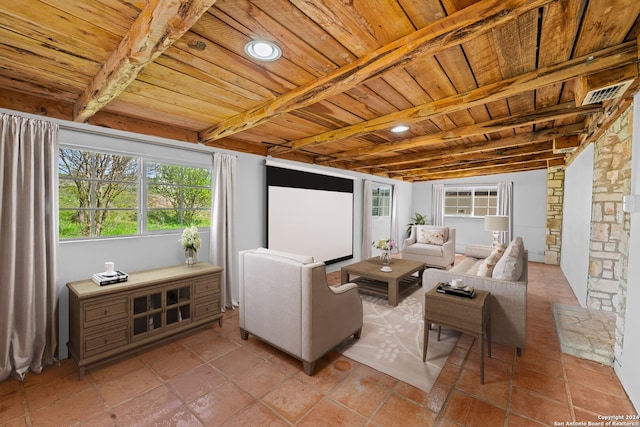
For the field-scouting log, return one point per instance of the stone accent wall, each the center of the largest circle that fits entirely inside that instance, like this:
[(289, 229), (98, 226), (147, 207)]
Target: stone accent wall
[(555, 201), (608, 254)]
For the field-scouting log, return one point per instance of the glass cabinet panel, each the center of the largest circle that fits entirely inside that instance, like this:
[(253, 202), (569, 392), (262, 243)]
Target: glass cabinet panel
[(147, 313), (178, 304)]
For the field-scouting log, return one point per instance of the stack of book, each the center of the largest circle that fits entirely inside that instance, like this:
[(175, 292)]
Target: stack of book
[(446, 288), (105, 278)]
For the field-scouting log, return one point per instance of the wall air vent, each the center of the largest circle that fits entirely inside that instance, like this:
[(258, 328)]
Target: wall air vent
[(609, 92)]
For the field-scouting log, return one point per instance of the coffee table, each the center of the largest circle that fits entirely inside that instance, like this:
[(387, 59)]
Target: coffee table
[(388, 284)]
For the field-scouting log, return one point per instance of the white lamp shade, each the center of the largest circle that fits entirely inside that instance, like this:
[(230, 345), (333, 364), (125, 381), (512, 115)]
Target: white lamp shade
[(496, 223)]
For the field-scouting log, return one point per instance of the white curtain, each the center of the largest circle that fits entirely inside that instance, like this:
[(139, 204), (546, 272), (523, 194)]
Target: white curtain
[(394, 213), (505, 205), (29, 231), (437, 202), (222, 242), (366, 219)]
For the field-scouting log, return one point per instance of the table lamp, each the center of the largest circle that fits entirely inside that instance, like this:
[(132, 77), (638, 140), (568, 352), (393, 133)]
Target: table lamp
[(497, 224)]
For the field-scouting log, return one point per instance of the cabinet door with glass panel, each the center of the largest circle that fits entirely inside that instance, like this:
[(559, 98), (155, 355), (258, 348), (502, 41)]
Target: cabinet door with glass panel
[(161, 309), (177, 304)]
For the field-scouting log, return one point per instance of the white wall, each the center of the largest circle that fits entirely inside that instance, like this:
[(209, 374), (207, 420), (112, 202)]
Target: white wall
[(529, 210), (627, 367), (576, 223)]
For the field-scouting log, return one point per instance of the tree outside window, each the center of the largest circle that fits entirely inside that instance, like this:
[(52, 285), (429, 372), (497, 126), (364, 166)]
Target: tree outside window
[(177, 196), (98, 194), (102, 194)]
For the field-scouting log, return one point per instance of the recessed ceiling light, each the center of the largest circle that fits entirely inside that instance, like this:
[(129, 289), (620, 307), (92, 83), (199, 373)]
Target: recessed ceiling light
[(399, 128), (263, 50)]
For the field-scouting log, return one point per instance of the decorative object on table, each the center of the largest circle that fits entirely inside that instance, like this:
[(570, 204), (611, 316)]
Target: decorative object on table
[(497, 224), (191, 242), (460, 291), (108, 278), (418, 219), (385, 246)]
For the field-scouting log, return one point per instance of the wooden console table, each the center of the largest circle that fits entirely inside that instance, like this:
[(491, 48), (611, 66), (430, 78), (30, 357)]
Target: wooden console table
[(110, 321), (469, 315)]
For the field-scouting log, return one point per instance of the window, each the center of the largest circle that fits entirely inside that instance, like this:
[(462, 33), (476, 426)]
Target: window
[(177, 196), (381, 201), (103, 194), (471, 201), (98, 194)]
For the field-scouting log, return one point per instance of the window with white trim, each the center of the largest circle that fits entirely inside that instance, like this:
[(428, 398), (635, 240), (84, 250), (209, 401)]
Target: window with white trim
[(380, 201), (471, 201), (105, 194)]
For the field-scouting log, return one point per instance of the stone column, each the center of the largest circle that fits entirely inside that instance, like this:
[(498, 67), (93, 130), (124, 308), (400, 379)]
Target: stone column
[(608, 254), (555, 202)]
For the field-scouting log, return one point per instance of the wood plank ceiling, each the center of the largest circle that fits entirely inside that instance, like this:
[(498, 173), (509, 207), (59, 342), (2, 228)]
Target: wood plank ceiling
[(486, 86)]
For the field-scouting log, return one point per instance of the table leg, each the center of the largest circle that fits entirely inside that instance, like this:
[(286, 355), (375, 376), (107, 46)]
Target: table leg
[(344, 276), (427, 327), (393, 292), (489, 339), (481, 343)]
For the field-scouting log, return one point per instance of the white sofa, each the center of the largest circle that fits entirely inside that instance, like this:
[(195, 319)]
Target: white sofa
[(508, 308), (431, 244), (285, 301)]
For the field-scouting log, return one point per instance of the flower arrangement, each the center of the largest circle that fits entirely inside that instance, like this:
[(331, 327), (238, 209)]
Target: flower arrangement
[(385, 244), (190, 238)]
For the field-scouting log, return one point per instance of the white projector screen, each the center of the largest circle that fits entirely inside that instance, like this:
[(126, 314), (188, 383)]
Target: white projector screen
[(310, 214)]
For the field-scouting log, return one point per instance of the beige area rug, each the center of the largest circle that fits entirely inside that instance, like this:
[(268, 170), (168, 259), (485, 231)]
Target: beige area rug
[(391, 341)]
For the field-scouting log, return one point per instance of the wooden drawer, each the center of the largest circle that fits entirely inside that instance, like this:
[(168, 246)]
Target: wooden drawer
[(105, 311), (209, 284), (206, 308), (105, 340)]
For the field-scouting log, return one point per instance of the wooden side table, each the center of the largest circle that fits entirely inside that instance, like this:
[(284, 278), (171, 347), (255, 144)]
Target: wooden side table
[(469, 315)]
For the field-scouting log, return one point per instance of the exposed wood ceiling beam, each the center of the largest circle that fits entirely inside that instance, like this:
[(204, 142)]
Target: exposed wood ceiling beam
[(463, 173), (158, 26), (484, 158), (451, 30), (554, 112), (473, 147), (613, 57), (538, 161)]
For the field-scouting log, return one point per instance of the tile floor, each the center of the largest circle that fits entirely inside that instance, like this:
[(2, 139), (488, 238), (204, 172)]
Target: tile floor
[(212, 377)]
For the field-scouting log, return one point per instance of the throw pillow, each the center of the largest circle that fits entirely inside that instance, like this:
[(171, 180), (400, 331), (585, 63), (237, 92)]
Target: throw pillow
[(510, 266), (422, 235), (432, 235), (488, 264), (435, 237)]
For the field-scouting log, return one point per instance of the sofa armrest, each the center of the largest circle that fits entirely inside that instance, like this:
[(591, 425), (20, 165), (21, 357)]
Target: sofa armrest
[(411, 239), (449, 247), (340, 289)]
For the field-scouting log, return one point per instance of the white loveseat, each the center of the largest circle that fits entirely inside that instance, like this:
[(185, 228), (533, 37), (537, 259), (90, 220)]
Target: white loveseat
[(431, 244), (507, 282), (285, 301)]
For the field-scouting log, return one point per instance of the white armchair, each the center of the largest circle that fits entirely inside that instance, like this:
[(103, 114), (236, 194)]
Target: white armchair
[(433, 245), (285, 301)]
